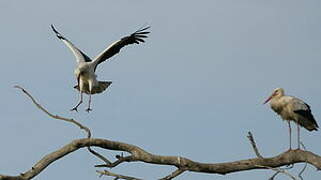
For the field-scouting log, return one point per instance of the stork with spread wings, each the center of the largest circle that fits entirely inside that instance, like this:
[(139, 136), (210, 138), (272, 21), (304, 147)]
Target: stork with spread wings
[(86, 67)]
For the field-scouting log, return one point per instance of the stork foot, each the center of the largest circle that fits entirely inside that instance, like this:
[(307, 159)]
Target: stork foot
[(89, 109), (74, 109)]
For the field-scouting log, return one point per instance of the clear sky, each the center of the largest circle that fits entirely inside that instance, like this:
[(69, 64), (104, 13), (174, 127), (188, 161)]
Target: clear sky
[(194, 89)]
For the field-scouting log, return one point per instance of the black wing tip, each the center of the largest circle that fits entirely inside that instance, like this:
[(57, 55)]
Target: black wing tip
[(309, 122), (143, 30), (57, 33), (54, 29), (140, 34), (139, 40)]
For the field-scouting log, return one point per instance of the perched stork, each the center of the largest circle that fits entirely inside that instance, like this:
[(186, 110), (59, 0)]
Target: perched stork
[(292, 109), (85, 70)]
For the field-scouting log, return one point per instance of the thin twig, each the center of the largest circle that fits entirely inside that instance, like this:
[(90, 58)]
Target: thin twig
[(285, 168), (55, 116), (67, 120), (250, 137), (305, 166), (117, 176), (174, 174), (274, 175), (98, 155), (119, 160), (279, 170)]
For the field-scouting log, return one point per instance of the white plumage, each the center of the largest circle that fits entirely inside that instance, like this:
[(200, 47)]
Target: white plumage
[(85, 70), (292, 109)]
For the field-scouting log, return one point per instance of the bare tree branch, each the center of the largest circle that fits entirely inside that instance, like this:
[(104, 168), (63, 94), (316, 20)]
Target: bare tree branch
[(183, 164), (101, 157), (284, 170), (305, 165), (55, 116), (279, 170), (251, 138), (67, 120), (117, 162), (274, 175), (174, 174), (117, 176), (138, 154)]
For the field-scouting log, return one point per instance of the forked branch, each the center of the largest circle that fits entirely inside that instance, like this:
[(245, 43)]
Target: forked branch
[(55, 116), (138, 154), (181, 163)]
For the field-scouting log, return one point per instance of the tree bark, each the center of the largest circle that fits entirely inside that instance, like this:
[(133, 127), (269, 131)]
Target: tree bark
[(138, 154)]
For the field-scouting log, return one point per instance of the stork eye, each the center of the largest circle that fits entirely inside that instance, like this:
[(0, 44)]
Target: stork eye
[(276, 92)]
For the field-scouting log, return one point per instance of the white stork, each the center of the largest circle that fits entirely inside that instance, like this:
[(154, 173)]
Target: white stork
[(85, 70), (292, 109)]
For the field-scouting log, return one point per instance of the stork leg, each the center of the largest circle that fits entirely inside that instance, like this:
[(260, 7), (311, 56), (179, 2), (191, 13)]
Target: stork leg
[(90, 83), (75, 108), (89, 102), (290, 132), (298, 136)]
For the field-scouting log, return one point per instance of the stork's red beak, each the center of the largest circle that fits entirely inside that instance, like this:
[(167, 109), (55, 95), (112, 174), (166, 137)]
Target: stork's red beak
[(268, 99)]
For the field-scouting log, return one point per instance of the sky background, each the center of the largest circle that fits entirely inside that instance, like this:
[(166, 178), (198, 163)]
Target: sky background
[(194, 89)]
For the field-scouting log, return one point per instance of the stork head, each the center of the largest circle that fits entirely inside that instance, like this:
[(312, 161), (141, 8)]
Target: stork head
[(278, 92)]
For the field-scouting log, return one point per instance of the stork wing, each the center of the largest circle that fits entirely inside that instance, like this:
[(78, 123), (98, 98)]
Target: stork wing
[(115, 47), (299, 105), (304, 110), (80, 56)]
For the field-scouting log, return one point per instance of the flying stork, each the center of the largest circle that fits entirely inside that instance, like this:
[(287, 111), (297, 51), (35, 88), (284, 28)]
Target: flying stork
[(86, 67), (292, 109)]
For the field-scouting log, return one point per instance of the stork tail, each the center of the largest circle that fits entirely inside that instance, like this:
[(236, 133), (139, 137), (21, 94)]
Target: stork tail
[(307, 121), (102, 86)]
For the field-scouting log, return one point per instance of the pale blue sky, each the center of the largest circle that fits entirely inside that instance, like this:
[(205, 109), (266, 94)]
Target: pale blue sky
[(194, 89)]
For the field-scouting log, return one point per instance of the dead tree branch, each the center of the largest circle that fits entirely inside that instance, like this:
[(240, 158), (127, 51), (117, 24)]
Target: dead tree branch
[(86, 129), (117, 176), (117, 162), (278, 172), (55, 116), (305, 165), (138, 154), (183, 164), (174, 174), (256, 150), (282, 171)]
